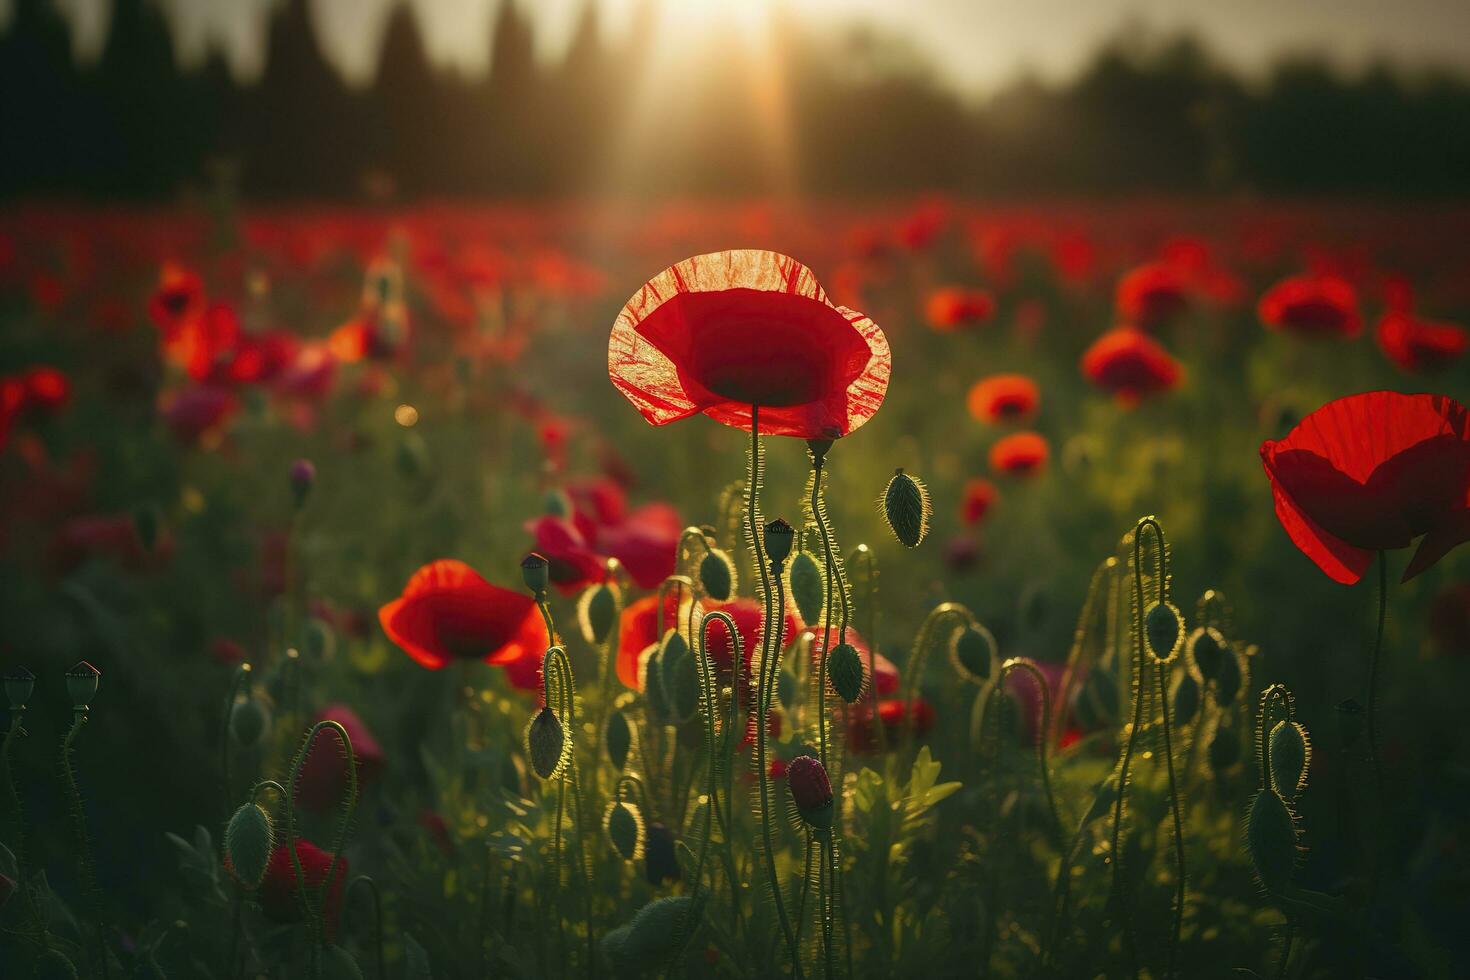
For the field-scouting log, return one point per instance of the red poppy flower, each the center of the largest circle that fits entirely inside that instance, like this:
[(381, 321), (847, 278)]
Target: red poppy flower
[(178, 299), (1020, 454), (980, 496), (1004, 398), (47, 389), (895, 716), (1317, 306), (750, 624), (1130, 364), (280, 898), (722, 332), (573, 562), (448, 612), (322, 783), (1371, 472), (638, 630), (1152, 294), (956, 307), (1420, 345), (644, 542)]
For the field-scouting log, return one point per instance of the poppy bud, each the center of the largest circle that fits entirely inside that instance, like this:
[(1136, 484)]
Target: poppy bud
[(655, 698), (617, 736), (1164, 630), (597, 611), (1224, 750), (19, 684), (717, 575), (973, 653), (81, 684), (1270, 837), (680, 678), (818, 449), (805, 579), (317, 639), (248, 722), (1207, 650), (250, 837), (845, 672), (1228, 678), (1186, 698), (303, 478), (546, 743), (779, 537), (1290, 754), (659, 861), (625, 830), (338, 964), (146, 522), (906, 508), (536, 571), (810, 790)]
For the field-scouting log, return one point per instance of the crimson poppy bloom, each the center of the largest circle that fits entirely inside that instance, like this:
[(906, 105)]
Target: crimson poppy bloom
[(46, 389), (1372, 472), (954, 308), (1314, 306), (1020, 454), (638, 630), (178, 299), (322, 783), (719, 333), (895, 715), (448, 612), (1152, 294), (1130, 364), (1004, 398), (979, 497), (280, 897), (1418, 345), (574, 564)]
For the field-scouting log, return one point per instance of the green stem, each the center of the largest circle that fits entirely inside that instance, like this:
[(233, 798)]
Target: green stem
[(1374, 762), (372, 887), (1179, 872), (241, 674), (79, 832), (315, 909), (1028, 667)]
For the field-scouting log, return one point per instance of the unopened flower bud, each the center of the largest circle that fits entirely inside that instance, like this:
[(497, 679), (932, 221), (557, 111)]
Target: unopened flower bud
[(597, 611), (249, 840), (717, 575), (906, 508), (546, 743), (810, 790), (1164, 630), (845, 672), (303, 478), (807, 588)]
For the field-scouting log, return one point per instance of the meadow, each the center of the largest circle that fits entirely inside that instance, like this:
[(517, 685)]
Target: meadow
[(359, 623)]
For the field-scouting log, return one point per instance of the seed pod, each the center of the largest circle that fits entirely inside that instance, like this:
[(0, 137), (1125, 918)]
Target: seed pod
[(811, 790), (1186, 698), (546, 743), (250, 837), (1229, 678), (625, 830), (19, 684), (617, 735), (338, 964), (845, 672), (1290, 755), (906, 508), (1206, 649), (807, 587), (249, 720), (717, 575), (1270, 837), (973, 653), (1224, 750), (1164, 629), (779, 536), (597, 611), (536, 572), (81, 684)]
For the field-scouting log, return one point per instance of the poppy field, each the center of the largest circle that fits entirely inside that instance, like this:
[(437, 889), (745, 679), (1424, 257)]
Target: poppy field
[(895, 588)]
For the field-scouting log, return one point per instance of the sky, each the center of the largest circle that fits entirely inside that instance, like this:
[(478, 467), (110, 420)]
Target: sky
[(977, 45)]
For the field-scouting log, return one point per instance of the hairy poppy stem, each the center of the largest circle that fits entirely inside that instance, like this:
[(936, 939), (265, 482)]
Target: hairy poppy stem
[(1374, 763), (1179, 873), (84, 846), (778, 618), (1028, 667), (315, 912), (372, 887), (7, 777)]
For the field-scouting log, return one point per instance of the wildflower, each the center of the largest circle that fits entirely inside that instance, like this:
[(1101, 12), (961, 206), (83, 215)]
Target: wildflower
[(322, 782), (1021, 454), (1314, 306), (811, 790), (979, 497), (1003, 398), (279, 896), (1418, 345), (956, 307), (1152, 294), (448, 612), (1130, 364)]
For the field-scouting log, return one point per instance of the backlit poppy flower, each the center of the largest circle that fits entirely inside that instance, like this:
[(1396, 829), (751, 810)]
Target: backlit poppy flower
[(1315, 306), (573, 562), (448, 612), (750, 624), (322, 783), (638, 630), (979, 497), (1004, 398), (1420, 345), (719, 333), (1372, 472), (279, 896), (1020, 454), (1130, 364), (178, 299), (957, 307), (47, 389), (1152, 294)]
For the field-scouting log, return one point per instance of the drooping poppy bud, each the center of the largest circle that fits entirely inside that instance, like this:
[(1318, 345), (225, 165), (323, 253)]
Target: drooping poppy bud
[(617, 736), (807, 588), (597, 611), (1229, 677), (249, 720), (1095, 701), (1270, 837), (624, 827), (717, 575), (1224, 750), (845, 672), (1206, 648), (250, 837), (318, 641), (1186, 698), (1164, 629), (779, 537), (811, 791), (303, 478), (536, 571), (546, 743), (1290, 754), (973, 653), (81, 684), (906, 508)]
